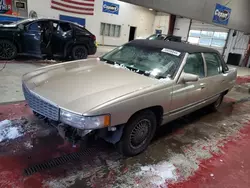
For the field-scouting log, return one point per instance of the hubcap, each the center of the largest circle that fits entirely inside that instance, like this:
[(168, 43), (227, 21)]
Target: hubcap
[(79, 53), (218, 102), (140, 133), (6, 50)]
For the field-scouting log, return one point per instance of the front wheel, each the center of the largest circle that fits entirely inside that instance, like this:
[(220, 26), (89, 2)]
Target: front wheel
[(79, 52), (137, 134), (8, 50)]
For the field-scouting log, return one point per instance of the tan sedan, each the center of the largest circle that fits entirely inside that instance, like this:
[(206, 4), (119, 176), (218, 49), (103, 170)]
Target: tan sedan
[(126, 94)]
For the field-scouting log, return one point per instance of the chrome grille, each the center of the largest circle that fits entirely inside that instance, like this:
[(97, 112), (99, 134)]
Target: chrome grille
[(41, 106)]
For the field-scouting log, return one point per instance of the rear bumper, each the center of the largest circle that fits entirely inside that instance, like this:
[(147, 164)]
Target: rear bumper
[(92, 50)]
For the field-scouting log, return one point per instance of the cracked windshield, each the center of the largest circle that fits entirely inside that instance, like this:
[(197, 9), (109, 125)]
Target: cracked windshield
[(153, 62)]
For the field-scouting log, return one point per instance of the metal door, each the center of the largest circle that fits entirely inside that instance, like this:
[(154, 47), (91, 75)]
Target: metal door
[(32, 39), (188, 94), (215, 74), (197, 91)]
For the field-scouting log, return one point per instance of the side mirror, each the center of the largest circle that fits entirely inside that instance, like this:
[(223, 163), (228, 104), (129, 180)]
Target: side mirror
[(186, 77)]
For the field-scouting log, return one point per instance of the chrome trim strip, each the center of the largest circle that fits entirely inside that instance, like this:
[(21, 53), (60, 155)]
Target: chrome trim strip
[(190, 105), (205, 64), (40, 104), (177, 77), (37, 95)]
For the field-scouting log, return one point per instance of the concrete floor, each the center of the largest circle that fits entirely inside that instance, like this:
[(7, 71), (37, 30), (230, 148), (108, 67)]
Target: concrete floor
[(242, 71), (203, 149)]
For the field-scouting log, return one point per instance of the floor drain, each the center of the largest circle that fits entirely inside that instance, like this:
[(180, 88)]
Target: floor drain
[(56, 162)]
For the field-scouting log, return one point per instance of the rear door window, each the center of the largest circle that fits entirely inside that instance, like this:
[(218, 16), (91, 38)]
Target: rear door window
[(65, 27), (81, 30), (34, 26), (214, 64)]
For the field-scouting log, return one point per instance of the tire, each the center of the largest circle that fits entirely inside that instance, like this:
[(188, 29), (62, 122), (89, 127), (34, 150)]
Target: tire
[(216, 105), (8, 50), (132, 142), (79, 52)]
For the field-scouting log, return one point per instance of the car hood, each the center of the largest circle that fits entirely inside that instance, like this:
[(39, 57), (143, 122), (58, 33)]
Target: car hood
[(82, 85)]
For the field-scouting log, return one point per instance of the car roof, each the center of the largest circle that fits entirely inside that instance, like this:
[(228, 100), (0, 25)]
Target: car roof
[(52, 19), (178, 46)]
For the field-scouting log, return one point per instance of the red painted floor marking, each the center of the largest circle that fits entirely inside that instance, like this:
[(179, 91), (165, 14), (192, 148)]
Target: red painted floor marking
[(229, 170), (243, 79), (14, 110)]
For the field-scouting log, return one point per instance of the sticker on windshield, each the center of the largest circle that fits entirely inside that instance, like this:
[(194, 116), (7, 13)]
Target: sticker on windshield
[(172, 52)]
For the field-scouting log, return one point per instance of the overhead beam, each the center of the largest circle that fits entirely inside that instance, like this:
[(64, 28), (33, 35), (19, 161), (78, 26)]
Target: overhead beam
[(202, 10)]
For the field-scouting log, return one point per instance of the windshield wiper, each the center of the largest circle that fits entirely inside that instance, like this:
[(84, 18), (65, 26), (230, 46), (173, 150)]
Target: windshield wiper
[(131, 68), (108, 61)]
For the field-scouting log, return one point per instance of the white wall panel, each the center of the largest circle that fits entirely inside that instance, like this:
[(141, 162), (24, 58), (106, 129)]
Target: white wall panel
[(129, 15), (237, 44), (181, 27), (161, 22)]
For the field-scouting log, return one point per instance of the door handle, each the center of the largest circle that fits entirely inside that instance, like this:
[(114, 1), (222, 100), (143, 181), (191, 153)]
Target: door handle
[(202, 86)]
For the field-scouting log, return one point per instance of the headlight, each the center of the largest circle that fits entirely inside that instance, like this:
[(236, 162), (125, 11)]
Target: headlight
[(82, 122)]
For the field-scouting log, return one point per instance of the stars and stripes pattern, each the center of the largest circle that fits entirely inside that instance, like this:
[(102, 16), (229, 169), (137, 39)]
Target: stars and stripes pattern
[(85, 7)]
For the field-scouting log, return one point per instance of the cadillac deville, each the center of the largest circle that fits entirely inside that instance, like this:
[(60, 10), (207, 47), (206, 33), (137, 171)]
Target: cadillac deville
[(126, 94)]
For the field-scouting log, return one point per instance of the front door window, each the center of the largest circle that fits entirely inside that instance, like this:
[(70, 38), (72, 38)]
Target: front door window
[(195, 65)]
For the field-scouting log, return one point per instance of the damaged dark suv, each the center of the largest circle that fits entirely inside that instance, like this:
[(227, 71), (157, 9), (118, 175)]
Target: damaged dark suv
[(46, 38)]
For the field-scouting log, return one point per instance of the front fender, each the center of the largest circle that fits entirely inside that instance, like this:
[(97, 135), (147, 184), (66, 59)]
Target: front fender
[(15, 41), (121, 109)]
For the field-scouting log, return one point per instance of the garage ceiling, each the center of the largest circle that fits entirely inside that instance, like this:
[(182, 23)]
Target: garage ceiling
[(202, 10)]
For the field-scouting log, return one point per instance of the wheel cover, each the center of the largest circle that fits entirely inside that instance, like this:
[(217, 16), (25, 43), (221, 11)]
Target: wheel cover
[(6, 50), (140, 133), (79, 53), (218, 102)]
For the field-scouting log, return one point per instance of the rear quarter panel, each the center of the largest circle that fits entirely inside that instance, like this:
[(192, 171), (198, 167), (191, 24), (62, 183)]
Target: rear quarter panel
[(231, 77)]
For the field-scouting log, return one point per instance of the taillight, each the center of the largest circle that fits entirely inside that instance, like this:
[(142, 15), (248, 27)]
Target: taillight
[(93, 37)]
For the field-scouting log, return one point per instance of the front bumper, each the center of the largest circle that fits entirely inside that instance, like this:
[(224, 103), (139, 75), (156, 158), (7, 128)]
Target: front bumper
[(50, 112)]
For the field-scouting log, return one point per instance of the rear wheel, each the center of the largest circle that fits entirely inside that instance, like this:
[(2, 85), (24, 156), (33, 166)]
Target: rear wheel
[(8, 50), (79, 52), (137, 134), (216, 105)]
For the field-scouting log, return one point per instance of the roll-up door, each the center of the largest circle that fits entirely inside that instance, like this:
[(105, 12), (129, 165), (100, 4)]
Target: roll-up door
[(208, 35)]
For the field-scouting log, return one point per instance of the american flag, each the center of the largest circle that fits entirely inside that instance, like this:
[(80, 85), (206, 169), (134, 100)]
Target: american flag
[(85, 7)]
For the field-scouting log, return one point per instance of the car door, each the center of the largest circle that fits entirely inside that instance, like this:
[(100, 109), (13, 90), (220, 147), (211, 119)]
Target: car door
[(216, 74), (32, 39), (62, 33), (186, 94), (196, 91)]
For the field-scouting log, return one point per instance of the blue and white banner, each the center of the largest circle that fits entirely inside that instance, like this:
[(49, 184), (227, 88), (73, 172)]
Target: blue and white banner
[(221, 14), (111, 8)]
